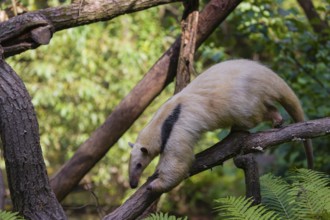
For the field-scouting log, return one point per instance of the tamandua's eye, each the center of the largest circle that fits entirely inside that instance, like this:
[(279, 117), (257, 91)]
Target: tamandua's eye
[(138, 166), (144, 150)]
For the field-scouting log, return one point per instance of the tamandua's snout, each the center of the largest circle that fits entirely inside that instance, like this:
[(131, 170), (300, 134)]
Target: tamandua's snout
[(134, 181), (139, 160)]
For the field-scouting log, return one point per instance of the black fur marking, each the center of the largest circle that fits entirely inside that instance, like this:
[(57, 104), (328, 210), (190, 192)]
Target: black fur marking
[(168, 126)]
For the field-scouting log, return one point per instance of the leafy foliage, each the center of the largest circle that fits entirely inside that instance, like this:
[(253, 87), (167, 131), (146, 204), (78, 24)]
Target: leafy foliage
[(306, 197), (162, 216), (312, 191), (233, 208), (5, 215), (274, 192)]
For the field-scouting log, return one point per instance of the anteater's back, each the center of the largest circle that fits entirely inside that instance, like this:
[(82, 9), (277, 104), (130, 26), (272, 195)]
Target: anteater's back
[(236, 92)]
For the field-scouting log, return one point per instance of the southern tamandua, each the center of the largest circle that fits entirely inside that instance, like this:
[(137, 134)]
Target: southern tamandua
[(237, 94)]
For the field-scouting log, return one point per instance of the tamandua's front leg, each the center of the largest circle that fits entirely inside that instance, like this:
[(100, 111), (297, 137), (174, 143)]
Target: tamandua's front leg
[(164, 184), (170, 174), (161, 184)]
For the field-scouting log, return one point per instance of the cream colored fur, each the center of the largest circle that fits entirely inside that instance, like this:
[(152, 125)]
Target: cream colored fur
[(236, 94)]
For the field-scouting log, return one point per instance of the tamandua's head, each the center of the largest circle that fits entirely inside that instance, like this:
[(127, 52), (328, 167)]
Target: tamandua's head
[(139, 160)]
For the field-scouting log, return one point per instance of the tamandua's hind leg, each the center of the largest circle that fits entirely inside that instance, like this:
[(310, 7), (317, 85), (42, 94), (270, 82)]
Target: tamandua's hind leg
[(273, 115)]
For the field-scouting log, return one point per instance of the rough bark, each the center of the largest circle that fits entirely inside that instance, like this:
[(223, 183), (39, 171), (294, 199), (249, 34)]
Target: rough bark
[(252, 184), (2, 191), (189, 25), (15, 37), (319, 26), (131, 107), (26, 171), (237, 143)]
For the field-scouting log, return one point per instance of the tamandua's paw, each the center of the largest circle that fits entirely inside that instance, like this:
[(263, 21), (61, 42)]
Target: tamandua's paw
[(278, 124), (157, 185)]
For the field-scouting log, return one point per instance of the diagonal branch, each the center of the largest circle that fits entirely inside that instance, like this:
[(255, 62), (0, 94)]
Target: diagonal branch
[(235, 144), (132, 106), (319, 26)]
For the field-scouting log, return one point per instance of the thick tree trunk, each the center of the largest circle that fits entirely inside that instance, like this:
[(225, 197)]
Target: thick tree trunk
[(132, 106), (27, 177)]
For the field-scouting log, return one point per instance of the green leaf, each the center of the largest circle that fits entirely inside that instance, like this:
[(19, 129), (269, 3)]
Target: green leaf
[(6, 215), (162, 216)]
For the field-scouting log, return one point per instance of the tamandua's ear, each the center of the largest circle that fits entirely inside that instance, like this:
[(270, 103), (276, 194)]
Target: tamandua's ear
[(130, 144), (144, 150)]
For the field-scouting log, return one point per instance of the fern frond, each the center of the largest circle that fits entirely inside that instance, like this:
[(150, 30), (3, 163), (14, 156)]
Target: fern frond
[(163, 216), (312, 191), (312, 178), (5, 215), (275, 196), (240, 208)]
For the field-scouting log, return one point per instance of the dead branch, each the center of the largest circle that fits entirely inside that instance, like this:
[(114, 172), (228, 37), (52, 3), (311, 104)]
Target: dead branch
[(15, 35), (236, 143), (189, 25), (132, 106)]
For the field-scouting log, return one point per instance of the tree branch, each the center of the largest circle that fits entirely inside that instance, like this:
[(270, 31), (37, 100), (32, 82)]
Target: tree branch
[(187, 50), (236, 143), (249, 165), (132, 106), (319, 26), (15, 34)]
